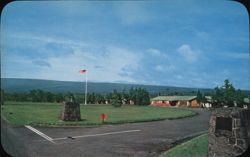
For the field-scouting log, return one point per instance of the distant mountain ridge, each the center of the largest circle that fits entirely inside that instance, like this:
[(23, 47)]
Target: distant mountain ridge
[(24, 85)]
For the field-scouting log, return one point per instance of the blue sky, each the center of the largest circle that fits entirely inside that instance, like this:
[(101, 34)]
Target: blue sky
[(189, 43)]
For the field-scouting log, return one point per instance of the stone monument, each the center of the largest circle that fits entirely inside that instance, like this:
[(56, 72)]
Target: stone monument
[(229, 132), (70, 111)]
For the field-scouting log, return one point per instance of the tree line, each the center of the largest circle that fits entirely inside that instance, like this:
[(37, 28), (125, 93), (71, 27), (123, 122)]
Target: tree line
[(36, 95), (137, 96), (228, 95), (223, 95)]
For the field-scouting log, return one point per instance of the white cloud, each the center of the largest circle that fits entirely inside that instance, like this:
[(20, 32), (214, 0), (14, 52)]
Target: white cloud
[(110, 66), (165, 68), (157, 53), (44, 39), (235, 55), (104, 63), (171, 68), (189, 54), (202, 35), (179, 77), (159, 68), (16, 66)]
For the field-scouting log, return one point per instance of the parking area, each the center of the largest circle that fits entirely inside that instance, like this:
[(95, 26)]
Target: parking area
[(137, 139)]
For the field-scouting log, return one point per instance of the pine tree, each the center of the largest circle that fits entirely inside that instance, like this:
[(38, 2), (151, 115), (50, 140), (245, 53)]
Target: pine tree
[(2, 97), (199, 96), (227, 95), (116, 99)]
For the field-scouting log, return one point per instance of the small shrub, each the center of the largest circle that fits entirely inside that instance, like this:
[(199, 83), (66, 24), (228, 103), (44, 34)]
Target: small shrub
[(116, 103)]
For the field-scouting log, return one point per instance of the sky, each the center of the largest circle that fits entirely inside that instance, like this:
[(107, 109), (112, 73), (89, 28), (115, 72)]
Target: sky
[(179, 43)]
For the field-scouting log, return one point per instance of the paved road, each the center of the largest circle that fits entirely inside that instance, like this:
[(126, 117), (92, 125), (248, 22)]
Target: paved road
[(136, 140)]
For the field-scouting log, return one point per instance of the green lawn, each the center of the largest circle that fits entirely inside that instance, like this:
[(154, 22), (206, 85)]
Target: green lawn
[(21, 113), (197, 147)]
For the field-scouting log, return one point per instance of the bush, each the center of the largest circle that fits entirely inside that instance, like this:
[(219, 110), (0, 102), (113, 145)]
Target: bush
[(116, 103), (116, 99)]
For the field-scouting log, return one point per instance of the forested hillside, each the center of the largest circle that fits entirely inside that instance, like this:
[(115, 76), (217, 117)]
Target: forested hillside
[(26, 85)]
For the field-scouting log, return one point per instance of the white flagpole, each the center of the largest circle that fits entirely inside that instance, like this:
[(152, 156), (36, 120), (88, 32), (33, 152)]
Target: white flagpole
[(86, 88)]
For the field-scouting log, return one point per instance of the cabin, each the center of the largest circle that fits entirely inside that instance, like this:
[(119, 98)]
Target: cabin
[(208, 102), (178, 101)]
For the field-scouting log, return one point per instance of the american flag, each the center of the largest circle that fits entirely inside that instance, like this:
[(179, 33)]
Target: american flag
[(82, 71)]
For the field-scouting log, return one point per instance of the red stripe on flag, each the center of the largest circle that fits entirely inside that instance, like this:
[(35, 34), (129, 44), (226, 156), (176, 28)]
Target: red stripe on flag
[(82, 71)]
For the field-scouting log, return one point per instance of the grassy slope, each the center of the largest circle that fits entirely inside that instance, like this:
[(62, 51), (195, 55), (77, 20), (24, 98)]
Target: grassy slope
[(47, 114), (197, 147)]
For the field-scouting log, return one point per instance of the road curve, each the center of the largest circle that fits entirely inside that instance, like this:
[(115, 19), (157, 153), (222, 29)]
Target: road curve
[(136, 140)]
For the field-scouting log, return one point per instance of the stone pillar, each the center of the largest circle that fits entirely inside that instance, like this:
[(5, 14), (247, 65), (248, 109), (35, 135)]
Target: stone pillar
[(70, 112), (228, 132)]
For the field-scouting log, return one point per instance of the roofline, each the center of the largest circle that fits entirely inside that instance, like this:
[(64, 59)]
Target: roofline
[(162, 99)]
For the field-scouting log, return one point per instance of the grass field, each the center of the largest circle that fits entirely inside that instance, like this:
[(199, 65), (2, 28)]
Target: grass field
[(197, 147), (43, 114)]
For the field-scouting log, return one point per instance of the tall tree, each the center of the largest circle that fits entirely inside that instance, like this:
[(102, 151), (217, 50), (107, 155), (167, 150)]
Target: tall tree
[(50, 97), (69, 97), (139, 96), (59, 97), (227, 95), (125, 96), (2, 97), (132, 94), (199, 96), (116, 99), (145, 98)]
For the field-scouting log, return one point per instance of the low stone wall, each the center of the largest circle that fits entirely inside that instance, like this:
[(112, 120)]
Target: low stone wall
[(70, 112), (229, 132)]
